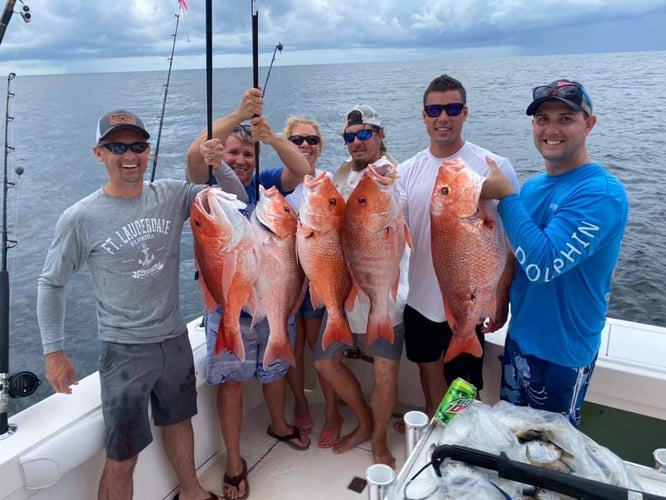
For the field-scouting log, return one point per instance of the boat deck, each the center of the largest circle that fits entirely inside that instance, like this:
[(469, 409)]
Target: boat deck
[(277, 471)]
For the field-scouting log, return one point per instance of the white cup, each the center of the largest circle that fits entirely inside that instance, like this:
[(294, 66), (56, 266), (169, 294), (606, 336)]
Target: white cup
[(380, 479), (415, 424), (660, 459)]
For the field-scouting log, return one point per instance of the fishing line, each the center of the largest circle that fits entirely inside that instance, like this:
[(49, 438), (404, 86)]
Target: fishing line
[(279, 47), (174, 35)]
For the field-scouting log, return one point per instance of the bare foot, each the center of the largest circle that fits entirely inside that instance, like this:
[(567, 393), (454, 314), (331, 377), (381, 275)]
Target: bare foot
[(383, 456), (350, 441)]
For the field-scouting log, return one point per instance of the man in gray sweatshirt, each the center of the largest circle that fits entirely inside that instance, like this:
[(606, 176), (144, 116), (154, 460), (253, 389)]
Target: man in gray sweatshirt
[(128, 234)]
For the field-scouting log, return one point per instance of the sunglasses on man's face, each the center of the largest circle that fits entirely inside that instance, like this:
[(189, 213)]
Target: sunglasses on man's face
[(363, 135), (119, 148), (452, 109), (312, 140)]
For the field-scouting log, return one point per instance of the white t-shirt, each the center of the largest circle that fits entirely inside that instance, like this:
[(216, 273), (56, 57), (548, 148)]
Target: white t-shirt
[(416, 180)]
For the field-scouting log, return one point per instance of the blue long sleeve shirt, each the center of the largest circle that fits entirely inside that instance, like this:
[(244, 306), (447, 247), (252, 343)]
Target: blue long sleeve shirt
[(566, 233)]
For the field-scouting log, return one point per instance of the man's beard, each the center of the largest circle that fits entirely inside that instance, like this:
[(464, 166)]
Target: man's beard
[(360, 164)]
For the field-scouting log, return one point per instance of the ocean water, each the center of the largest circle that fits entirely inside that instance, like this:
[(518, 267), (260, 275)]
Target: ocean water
[(55, 117)]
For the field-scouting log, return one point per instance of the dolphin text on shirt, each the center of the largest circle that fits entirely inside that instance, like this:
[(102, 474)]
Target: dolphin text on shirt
[(579, 241)]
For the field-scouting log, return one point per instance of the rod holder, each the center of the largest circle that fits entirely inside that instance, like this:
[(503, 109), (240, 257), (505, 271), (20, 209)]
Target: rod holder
[(380, 479), (415, 424)]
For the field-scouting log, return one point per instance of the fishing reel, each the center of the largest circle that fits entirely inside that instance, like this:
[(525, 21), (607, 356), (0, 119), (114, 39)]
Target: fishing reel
[(19, 385), (25, 13)]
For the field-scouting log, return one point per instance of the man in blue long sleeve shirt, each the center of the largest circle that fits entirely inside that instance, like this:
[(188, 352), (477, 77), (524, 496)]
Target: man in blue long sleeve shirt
[(566, 228)]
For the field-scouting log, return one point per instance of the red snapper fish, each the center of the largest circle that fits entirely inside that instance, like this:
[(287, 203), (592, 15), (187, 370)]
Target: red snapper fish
[(373, 239), (227, 260), (319, 248), (468, 253), (280, 285)]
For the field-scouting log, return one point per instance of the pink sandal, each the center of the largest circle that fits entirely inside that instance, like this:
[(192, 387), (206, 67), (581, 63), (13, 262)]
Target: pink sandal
[(330, 437)]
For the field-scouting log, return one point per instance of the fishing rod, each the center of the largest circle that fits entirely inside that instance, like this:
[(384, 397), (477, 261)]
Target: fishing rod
[(209, 79), (7, 15), (270, 67), (156, 154), (255, 81), (23, 383)]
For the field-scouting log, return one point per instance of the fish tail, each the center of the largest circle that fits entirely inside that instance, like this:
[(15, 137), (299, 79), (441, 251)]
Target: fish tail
[(279, 350), (337, 330), (229, 341), (463, 344), (379, 327)]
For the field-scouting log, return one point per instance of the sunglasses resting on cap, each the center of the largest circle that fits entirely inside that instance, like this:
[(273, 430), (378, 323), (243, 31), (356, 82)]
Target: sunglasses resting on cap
[(567, 91)]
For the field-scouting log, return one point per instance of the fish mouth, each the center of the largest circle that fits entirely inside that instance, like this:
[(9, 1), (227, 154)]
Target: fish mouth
[(204, 205), (311, 182)]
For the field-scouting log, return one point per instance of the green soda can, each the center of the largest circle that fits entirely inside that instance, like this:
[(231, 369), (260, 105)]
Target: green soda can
[(459, 396)]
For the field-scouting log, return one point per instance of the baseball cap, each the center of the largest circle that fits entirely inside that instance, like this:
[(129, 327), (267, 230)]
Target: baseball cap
[(119, 119), (362, 115), (571, 93)]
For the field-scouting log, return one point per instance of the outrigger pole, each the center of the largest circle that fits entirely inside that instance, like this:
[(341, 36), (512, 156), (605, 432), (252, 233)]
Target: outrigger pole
[(4, 283), (255, 79), (209, 79), (156, 154)]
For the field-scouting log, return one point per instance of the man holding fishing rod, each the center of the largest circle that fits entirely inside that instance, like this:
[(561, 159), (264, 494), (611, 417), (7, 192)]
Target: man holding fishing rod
[(226, 371), (128, 234)]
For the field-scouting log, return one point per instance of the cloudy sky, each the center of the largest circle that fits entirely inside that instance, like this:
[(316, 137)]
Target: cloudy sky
[(82, 36)]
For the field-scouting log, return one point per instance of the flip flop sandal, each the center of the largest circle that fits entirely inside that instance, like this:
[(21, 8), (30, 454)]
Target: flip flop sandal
[(305, 425), (288, 439), (330, 437), (212, 496), (235, 481)]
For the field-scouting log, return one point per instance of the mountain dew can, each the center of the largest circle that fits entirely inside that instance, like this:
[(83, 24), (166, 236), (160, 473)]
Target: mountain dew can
[(459, 396)]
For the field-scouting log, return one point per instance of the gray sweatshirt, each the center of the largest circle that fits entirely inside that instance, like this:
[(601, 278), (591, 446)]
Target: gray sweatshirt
[(132, 250)]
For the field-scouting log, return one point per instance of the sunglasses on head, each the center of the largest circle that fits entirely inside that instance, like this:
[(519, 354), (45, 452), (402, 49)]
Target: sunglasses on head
[(245, 127), (119, 148), (312, 140), (363, 135), (566, 90), (452, 109)]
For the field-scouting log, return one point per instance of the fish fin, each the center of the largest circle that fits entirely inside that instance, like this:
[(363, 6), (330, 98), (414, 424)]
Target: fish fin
[(228, 272), (351, 298), (280, 349), (488, 213), (316, 300), (463, 344), (229, 341), (450, 318), (209, 301), (408, 238), (299, 299), (337, 330)]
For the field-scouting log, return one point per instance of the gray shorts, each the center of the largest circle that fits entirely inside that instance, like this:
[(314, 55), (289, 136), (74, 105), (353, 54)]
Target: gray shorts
[(130, 376), (227, 367), (381, 348)]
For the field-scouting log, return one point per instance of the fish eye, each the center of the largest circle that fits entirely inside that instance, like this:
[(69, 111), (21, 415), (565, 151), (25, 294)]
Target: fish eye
[(445, 190), (362, 200), (332, 202)]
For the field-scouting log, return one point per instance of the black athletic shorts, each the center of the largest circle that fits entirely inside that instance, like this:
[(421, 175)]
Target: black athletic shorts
[(426, 342)]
